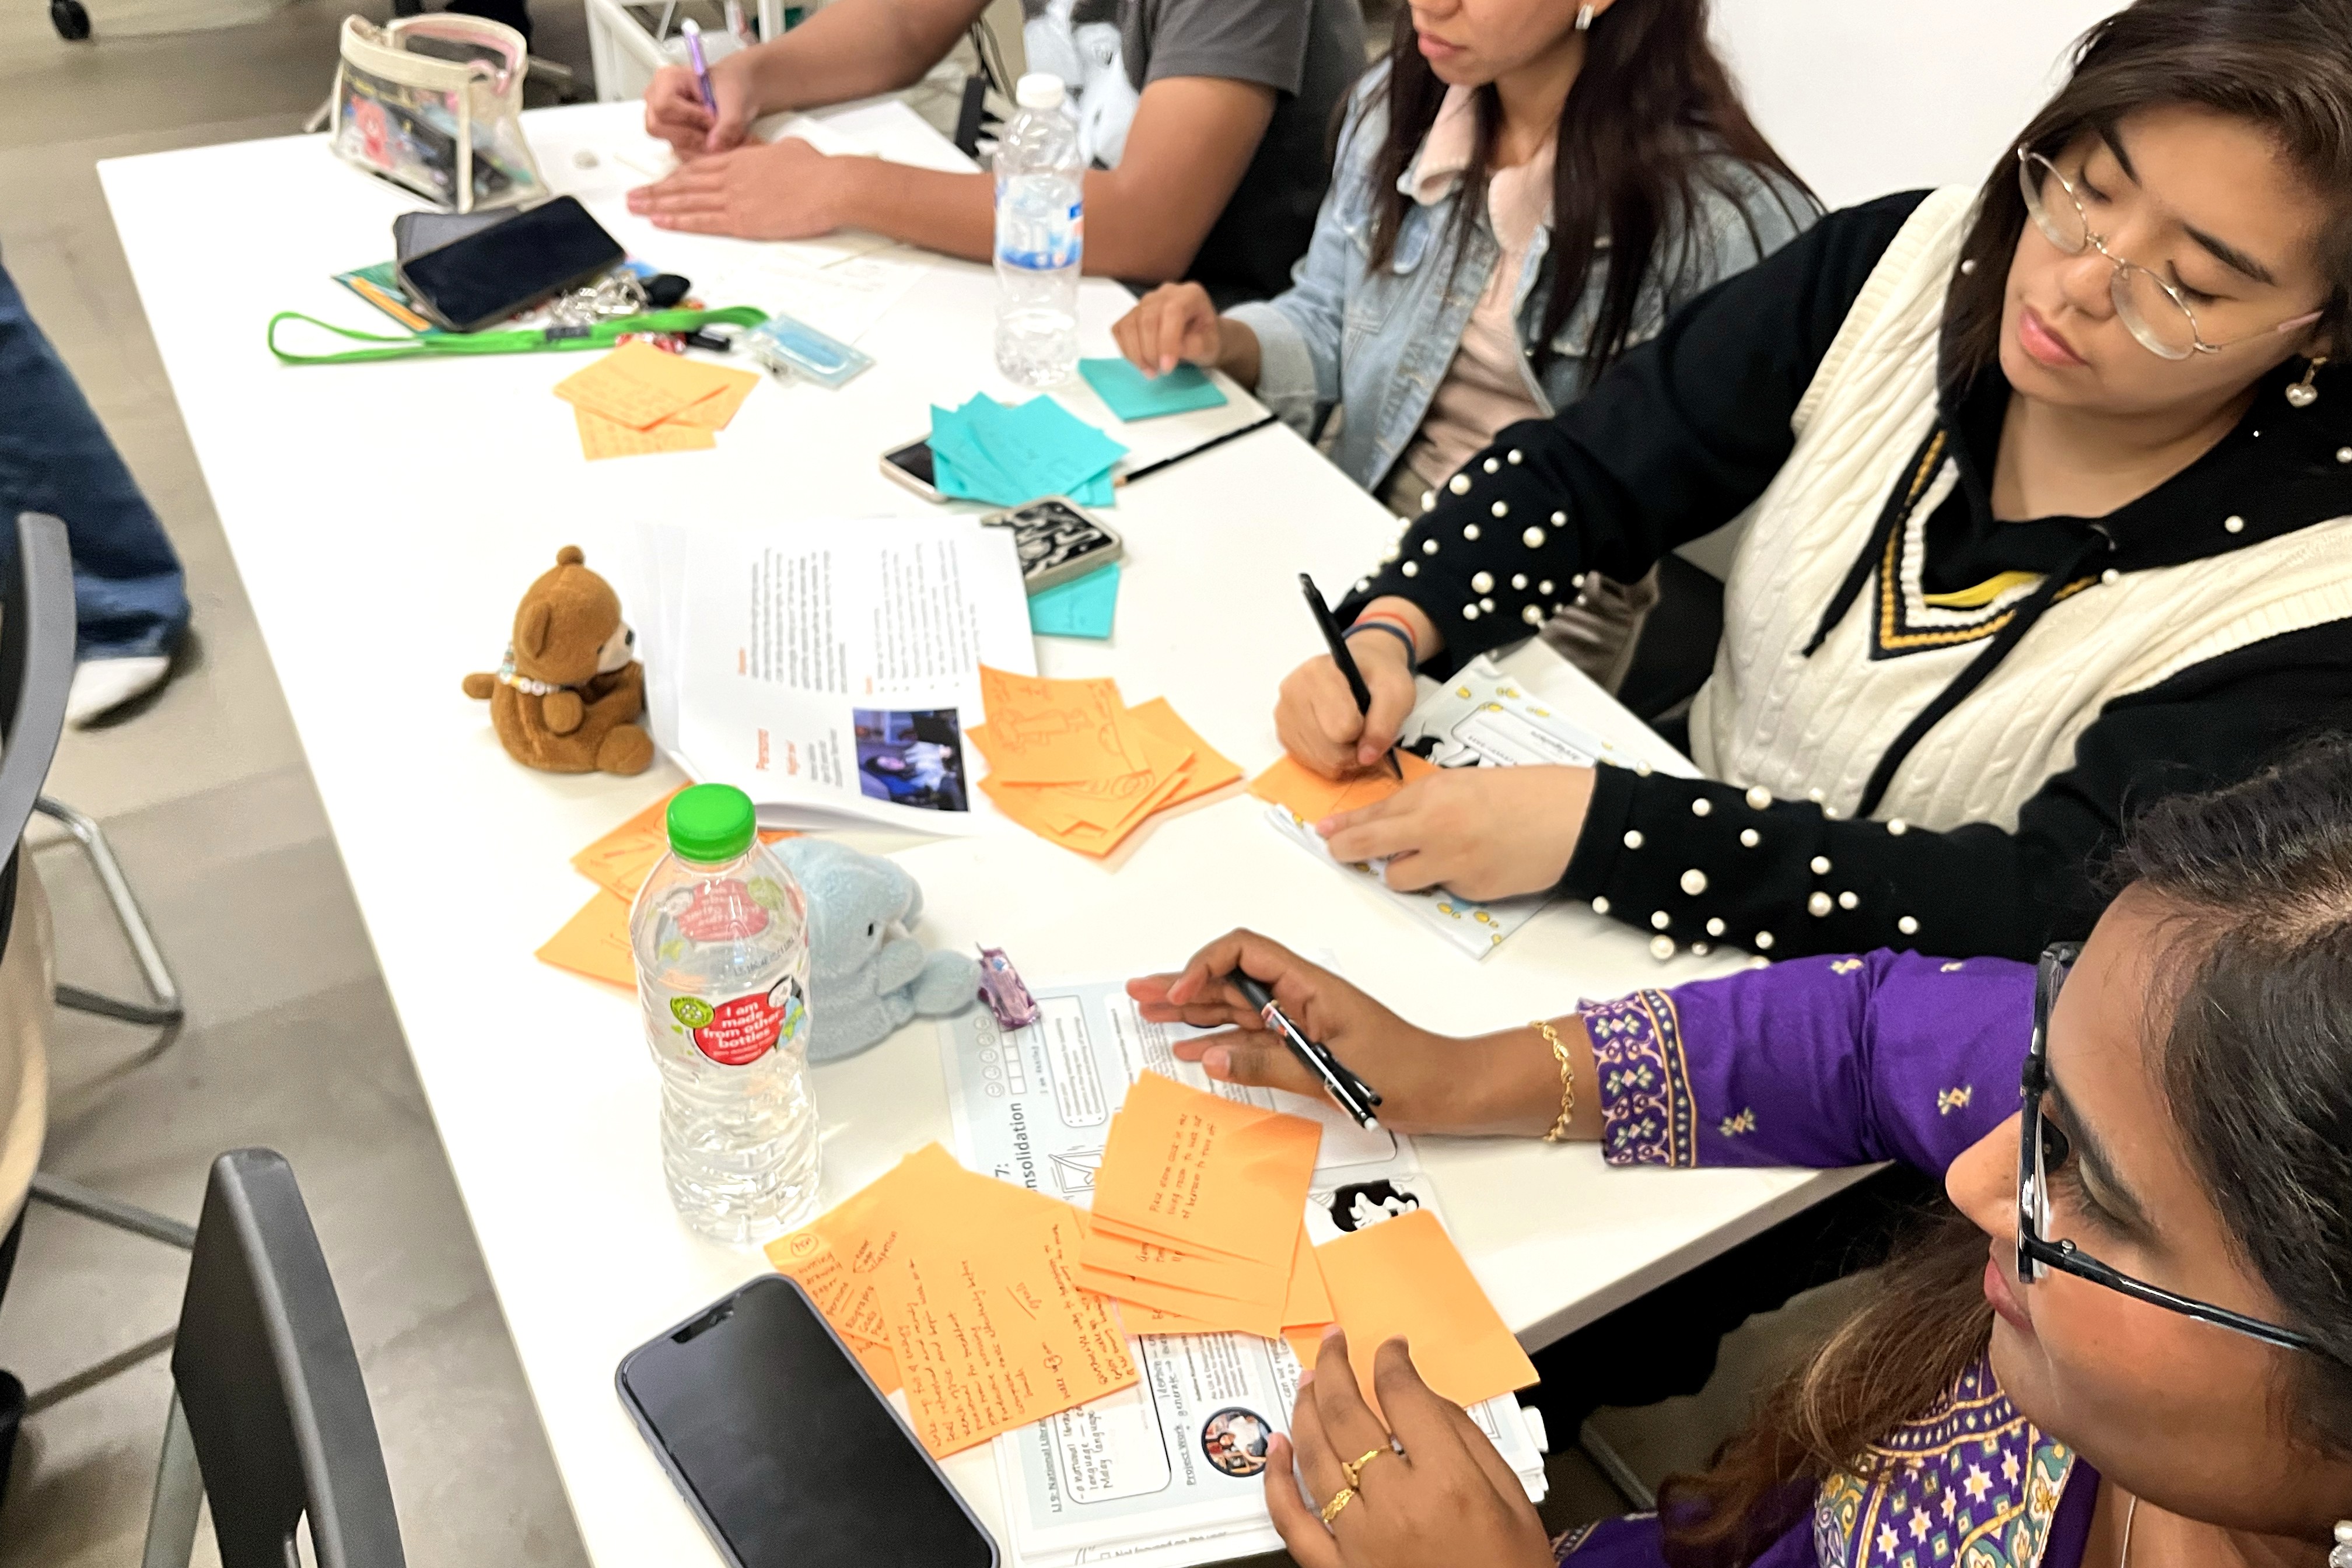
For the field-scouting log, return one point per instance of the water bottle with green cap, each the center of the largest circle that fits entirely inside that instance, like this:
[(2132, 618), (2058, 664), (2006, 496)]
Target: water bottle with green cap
[(720, 933)]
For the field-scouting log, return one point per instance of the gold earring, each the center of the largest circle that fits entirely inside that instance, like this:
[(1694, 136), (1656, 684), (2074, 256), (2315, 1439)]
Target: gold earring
[(2303, 394)]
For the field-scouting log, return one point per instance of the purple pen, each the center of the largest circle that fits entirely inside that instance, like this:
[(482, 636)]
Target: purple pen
[(693, 31)]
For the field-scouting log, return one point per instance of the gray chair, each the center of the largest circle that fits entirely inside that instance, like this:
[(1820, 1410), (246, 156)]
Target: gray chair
[(269, 1418)]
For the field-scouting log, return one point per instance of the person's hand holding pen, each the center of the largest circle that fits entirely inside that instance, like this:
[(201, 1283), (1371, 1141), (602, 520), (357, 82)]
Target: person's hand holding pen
[(1317, 716), (1505, 1084)]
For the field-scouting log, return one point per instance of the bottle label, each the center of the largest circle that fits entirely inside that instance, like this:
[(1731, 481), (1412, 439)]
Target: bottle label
[(740, 1031), (723, 911)]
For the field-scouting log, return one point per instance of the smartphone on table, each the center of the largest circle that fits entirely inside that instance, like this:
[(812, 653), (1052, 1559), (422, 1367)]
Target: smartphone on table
[(1058, 540), (480, 279), (910, 465), (785, 1449)]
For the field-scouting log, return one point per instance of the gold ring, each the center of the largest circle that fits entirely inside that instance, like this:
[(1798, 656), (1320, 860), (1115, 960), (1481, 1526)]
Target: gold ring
[(1354, 1471), (1330, 1510)]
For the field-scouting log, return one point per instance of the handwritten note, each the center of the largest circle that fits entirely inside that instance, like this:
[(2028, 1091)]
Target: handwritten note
[(601, 438), (970, 1284), (1071, 762), (1206, 1173), (595, 943), (1404, 1276)]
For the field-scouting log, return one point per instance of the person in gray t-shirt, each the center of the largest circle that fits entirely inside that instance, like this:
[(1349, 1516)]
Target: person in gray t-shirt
[(1207, 123)]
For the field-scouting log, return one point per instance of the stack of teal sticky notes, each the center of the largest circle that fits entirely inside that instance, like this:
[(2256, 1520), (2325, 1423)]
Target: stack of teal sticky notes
[(1081, 607), (1133, 396), (988, 451)]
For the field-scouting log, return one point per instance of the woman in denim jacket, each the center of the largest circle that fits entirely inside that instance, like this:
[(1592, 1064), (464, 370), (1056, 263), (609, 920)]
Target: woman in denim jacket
[(1521, 193)]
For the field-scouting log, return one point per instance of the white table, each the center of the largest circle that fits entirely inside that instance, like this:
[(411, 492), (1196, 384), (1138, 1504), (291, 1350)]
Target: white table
[(386, 517)]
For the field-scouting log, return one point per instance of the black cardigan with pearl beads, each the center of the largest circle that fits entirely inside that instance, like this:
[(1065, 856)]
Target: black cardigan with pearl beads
[(1682, 436)]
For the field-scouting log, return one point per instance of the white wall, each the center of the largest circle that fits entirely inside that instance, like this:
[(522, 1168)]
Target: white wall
[(1865, 97)]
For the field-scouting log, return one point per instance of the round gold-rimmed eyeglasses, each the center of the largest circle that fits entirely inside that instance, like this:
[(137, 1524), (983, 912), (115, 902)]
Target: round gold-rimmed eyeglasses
[(2151, 309)]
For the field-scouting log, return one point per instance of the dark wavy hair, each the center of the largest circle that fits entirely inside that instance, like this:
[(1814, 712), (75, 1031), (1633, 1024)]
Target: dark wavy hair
[(2284, 65), (2256, 1057), (1651, 115)]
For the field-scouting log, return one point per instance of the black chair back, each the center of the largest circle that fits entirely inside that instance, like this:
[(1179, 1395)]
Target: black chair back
[(270, 1384)]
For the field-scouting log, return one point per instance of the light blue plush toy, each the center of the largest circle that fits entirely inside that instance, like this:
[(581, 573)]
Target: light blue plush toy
[(866, 975)]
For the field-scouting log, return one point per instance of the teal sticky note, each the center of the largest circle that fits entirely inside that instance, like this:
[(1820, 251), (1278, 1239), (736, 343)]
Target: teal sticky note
[(987, 451), (1132, 394), (1080, 609)]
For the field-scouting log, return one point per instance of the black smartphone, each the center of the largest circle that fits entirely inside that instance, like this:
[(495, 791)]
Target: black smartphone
[(785, 1449), (484, 277)]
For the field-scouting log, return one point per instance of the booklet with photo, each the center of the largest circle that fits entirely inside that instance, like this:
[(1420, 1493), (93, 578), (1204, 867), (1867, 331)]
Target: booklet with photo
[(831, 669)]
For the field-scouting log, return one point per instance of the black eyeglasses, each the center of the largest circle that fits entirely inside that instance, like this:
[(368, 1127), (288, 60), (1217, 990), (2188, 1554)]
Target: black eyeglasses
[(2042, 1148)]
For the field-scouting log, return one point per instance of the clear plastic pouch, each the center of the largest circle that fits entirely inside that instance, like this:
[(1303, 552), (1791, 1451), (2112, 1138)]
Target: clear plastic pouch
[(432, 104)]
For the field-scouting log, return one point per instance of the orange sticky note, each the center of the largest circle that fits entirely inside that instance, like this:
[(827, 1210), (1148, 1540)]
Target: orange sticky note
[(1205, 1314), (1212, 770), (1404, 1276), (1054, 731), (638, 386), (595, 943), (1113, 1246), (1205, 1173), (1138, 1320), (1312, 797), (601, 438), (1307, 1304), (714, 411)]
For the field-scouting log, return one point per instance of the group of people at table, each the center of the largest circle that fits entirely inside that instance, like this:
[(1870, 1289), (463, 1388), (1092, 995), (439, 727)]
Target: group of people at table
[(2018, 736)]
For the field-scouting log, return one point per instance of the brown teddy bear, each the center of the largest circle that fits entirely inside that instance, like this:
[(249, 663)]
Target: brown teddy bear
[(567, 698)]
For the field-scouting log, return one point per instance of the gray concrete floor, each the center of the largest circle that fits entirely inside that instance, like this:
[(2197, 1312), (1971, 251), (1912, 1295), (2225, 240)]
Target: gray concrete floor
[(291, 1040)]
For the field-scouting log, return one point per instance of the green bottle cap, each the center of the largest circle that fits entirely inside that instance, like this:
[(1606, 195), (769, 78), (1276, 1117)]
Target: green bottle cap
[(711, 822)]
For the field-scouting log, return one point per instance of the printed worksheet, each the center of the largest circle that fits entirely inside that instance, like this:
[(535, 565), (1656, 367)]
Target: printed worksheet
[(1171, 1471)]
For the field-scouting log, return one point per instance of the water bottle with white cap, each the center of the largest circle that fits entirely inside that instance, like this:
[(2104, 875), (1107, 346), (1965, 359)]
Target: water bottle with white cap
[(1040, 236)]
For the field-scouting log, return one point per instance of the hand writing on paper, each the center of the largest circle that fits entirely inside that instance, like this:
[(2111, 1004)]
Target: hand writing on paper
[(674, 110), (1316, 718), (1446, 1498), (780, 189), (1485, 833), (1505, 1084)]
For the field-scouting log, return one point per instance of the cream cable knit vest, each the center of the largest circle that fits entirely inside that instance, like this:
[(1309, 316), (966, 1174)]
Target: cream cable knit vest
[(1771, 716)]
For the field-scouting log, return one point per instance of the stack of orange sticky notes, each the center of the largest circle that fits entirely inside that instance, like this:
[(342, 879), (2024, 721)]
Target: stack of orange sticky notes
[(1074, 763), (640, 399), (595, 942), (961, 1289), (1310, 797), (1197, 1211)]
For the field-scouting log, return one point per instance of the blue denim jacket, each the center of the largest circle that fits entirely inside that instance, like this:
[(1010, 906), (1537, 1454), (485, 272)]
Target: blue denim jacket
[(1377, 346)]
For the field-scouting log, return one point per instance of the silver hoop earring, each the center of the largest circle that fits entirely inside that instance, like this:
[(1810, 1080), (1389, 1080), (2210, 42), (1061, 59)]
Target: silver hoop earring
[(1584, 18)]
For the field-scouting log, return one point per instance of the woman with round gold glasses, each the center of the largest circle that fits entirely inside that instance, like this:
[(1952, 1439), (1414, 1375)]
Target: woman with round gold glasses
[(2128, 1344), (2048, 508)]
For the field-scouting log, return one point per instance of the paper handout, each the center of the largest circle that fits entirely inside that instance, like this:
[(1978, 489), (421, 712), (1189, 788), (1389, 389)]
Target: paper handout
[(970, 1284), (1406, 1277)]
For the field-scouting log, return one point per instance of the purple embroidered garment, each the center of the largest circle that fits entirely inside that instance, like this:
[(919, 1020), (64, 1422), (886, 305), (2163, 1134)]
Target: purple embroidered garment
[(1840, 1061)]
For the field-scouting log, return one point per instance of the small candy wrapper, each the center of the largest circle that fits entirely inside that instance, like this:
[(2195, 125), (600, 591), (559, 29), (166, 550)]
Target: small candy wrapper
[(1000, 988)]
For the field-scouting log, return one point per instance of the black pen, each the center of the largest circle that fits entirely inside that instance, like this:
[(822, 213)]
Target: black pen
[(1354, 1096), (1338, 639), (1214, 441)]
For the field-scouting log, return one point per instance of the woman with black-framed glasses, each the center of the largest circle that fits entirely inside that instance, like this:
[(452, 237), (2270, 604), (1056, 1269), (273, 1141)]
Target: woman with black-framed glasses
[(2130, 1347)]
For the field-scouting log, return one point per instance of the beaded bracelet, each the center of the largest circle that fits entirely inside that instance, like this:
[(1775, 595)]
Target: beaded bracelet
[(1558, 1133)]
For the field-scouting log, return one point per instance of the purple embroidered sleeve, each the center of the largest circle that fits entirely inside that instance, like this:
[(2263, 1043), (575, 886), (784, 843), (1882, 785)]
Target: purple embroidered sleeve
[(1815, 1062)]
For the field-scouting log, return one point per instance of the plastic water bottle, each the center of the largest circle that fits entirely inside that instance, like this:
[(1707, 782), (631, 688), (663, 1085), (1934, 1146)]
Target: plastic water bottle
[(1040, 236), (721, 933)]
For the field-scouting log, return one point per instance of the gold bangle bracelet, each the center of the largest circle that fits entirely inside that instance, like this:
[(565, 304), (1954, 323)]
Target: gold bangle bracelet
[(1558, 1133)]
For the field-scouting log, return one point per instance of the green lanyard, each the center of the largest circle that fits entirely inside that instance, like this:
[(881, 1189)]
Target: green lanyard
[(530, 339)]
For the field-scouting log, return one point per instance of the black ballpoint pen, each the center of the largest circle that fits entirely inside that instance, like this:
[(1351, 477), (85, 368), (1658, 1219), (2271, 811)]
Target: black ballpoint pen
[(1353, 1095), (1338, 640)]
